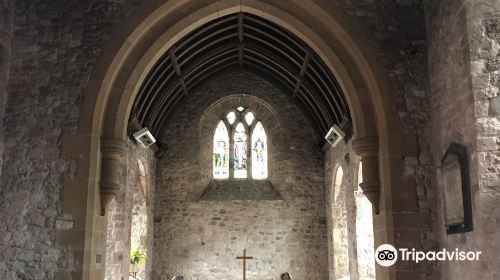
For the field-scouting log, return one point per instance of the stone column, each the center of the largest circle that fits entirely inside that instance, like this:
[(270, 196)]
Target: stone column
[(367, 148), (113, 169)]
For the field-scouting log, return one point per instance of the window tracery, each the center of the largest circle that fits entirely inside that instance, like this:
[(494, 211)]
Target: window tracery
[(240, 146)]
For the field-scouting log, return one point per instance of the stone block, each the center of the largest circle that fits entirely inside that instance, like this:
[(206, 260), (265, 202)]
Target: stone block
[(494, 109), (485, 144), (407, 199), (409, 220)]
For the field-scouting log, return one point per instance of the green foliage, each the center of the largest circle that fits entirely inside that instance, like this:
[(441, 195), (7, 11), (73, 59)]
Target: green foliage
[(138, 256)]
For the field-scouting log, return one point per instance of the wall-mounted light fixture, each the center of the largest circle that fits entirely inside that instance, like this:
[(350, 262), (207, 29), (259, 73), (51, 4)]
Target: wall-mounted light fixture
[(334, 135), (144, 137)]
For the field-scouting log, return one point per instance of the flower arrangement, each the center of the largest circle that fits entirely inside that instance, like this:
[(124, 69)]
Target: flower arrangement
[(138, 256)]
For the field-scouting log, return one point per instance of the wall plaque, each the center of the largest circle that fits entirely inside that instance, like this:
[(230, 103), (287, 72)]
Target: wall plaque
[(457, 195)]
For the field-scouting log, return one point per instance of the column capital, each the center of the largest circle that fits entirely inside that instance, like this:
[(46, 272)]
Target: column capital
[(113, 169), (366, 146), (113, 147)]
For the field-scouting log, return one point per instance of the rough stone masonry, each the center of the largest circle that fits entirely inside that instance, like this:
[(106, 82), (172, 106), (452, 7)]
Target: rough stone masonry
[(200, 239), (446, 79)]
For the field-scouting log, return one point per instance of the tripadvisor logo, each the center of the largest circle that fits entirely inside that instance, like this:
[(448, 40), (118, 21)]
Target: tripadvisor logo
[(387, 255)]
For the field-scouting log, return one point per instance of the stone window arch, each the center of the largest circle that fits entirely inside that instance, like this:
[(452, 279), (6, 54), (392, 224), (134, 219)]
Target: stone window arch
[(337, 183), (340, 233), (143, 177), (240, 146), (364, 232)]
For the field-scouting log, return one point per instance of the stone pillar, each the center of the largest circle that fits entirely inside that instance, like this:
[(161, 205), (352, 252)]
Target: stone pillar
[(113, 169), (367, 148)]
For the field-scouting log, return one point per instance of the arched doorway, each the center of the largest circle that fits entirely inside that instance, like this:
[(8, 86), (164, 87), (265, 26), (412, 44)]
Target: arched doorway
[(154, 29)]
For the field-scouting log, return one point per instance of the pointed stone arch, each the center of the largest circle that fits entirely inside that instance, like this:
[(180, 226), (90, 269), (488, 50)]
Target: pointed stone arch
[(99, 147)]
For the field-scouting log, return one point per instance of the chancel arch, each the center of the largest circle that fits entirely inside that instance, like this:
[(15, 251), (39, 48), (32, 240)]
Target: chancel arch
[(154, 29)]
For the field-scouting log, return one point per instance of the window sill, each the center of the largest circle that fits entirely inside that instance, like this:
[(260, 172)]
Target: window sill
[(240, 189)]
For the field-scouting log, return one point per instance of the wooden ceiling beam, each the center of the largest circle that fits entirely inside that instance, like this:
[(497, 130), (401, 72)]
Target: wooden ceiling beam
[(160, 121), (240, 38), (210, 71), (283, 78), (270, 46), (207, 46), (245, 40), (178, 71), (165, 99), (153, 95), (176, 98), (207, 58), (319, 82), (267, 36), (224, 59), (302, 72), (271, 62), (187, 41), (305, 101), (292, 40)]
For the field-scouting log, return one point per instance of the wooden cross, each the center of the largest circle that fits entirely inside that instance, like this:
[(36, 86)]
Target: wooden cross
[(244, 258)]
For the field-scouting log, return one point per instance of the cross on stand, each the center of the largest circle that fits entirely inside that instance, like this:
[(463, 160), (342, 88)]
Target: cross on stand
[(244, 258)]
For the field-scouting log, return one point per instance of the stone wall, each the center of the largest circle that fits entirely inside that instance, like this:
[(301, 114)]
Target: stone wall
[(130, 215), (343, 156), (397, 30), (67, 36), (6, 11), (200, 239), (483, 30), (54, 45), (463, 58)]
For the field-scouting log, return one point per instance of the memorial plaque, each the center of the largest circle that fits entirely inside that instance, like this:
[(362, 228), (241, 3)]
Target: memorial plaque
[(453, 198), (457, 196)]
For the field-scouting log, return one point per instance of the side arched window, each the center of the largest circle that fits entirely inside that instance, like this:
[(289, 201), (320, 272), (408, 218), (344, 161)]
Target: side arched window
[(240, 146), (339, 176)]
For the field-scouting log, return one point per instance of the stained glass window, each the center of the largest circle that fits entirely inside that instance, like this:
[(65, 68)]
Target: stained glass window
[(240, 152), (221, 152), (231, 117), (259, 152), (249, 117), (238, 137)]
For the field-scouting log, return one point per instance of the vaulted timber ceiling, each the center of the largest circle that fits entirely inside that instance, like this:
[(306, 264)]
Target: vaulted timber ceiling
[(246, 41)]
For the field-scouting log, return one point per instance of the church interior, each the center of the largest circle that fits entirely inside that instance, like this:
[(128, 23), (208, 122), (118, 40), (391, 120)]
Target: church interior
[(249, 139)]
